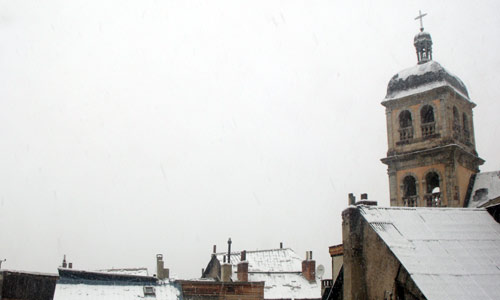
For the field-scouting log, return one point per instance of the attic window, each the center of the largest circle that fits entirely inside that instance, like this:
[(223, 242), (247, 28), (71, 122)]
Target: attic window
[(149, 291)]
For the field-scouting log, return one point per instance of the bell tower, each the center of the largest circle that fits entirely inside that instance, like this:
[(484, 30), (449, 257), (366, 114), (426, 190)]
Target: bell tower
[(431, 147)]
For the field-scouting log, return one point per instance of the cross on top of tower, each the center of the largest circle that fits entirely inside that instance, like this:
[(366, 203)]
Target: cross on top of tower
[(421, 16)]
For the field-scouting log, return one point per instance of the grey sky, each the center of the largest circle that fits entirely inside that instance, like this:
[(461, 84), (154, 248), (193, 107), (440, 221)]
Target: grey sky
[(130, 128)]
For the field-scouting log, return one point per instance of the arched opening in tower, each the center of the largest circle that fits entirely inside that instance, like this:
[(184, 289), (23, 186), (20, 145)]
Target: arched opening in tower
[(409, 191), (433, 190)]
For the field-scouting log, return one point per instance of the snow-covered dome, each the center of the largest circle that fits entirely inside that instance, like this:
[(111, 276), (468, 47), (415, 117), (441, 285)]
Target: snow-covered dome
[(422, 38), (423, 77)]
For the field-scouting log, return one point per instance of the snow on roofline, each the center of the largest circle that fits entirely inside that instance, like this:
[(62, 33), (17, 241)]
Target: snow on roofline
[(28, 273), (421, 78), (425, 88)]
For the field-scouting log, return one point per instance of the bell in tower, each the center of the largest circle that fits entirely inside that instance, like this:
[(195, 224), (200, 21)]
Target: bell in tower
[(431, 146)]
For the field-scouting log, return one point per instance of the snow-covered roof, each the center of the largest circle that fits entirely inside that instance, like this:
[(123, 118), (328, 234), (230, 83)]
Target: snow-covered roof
[(280, 269), (421, 78), (126, 271), (80, 285), (486, 187), (287, 286), (451, 253), (68, 291), (272, 260)]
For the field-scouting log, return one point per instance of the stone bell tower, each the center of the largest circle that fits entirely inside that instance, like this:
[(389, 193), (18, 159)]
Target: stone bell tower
[(431, 147)]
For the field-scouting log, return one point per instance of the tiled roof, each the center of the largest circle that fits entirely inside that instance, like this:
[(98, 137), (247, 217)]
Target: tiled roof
[(451, 253)]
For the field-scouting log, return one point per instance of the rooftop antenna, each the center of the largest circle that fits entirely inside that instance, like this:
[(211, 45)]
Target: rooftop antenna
[(421, 16)]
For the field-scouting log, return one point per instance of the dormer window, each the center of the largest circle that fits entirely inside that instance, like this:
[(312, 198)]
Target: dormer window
[(428, 121), (149, 291), (405, 126)]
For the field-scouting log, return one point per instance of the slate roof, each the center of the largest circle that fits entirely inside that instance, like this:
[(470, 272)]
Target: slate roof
[(421, 78), (83, 285), (450, 253), (486, 188), (280, 269)]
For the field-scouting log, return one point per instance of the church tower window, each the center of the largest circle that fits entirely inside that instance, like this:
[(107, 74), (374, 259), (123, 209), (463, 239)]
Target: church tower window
[(433, 189), (456, 122), (405, 126), (409, 191), (427, 120), (466, 127)]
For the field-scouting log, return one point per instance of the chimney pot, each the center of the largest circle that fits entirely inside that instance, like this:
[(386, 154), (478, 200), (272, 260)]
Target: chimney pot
[(215, 248), (243, 255), (364, 196), (281, 245)]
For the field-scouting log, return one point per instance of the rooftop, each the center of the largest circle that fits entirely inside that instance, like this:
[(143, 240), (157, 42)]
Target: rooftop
[(280, 269), (451, 253)]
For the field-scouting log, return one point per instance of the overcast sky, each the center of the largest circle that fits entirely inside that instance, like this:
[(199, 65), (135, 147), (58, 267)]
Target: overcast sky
[(130, 128)]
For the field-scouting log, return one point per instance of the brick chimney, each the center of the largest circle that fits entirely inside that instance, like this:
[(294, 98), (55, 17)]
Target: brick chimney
[(309, 267), (161, 272), (364, 201), (243, 267)]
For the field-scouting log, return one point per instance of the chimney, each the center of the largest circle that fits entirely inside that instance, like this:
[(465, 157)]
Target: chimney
[(161, 272), (215, 249), (243, 267), (364, 201), (70, 265), (281, 245), (227, 268), (229, 242), (352, 199), (64, 264), (309, 267)]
